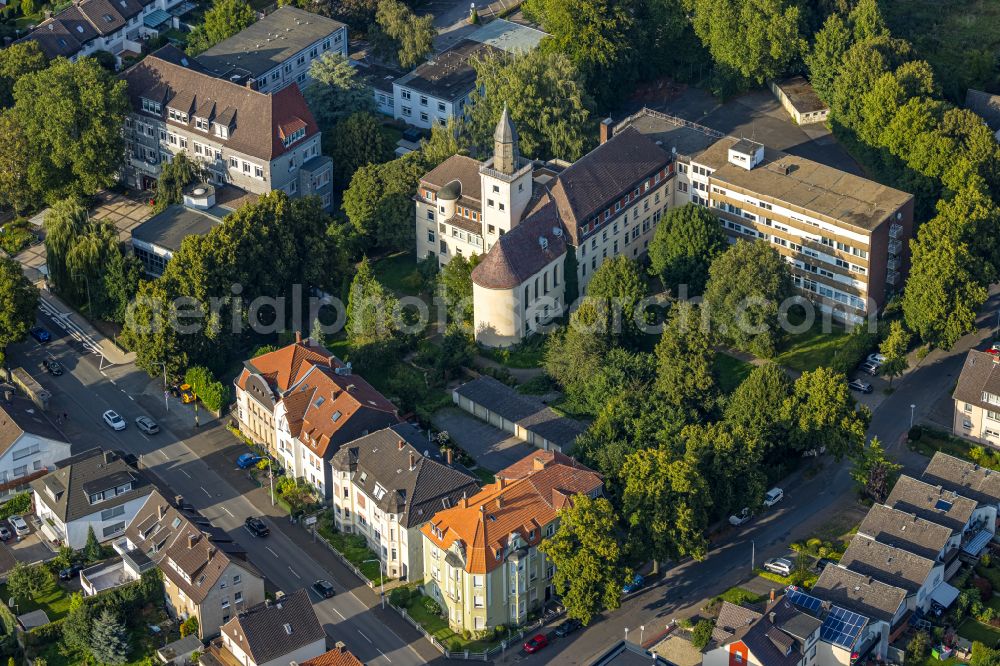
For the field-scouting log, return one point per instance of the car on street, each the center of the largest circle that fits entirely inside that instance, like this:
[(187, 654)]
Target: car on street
[(5, 533), (187, 395), (247, 460), (877, 359), (869, 367), (860, 385), (536, 643), (256, 527), (324, 588), (779, 565), (40, 334), (633, 585), (743, 516), (568, 627), (147, 425), (53, 367), (773, 496), (19, 525), (114, 420), (70, 572)]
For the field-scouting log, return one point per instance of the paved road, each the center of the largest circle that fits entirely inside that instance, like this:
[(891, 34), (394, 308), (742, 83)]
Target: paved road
[(84, 392)]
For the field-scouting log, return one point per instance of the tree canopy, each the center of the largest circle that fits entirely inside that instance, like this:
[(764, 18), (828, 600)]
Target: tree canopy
[(337, 91), (18, 303), (356, 141), (401, 35), (684, 245), (223, 19), (17, 60)]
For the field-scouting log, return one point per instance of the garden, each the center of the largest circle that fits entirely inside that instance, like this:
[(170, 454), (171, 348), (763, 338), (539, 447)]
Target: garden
[(429, 614), (353, 547), (15, 236)]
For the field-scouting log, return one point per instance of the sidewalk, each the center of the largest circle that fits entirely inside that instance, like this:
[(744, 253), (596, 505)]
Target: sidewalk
[(82, 330)]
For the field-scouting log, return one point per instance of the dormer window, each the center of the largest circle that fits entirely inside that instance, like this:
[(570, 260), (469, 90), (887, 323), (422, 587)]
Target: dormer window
[(149, 106), (108, 18), (201, 123), (378, 492), (179, 116), (221, 131), (294, 136)]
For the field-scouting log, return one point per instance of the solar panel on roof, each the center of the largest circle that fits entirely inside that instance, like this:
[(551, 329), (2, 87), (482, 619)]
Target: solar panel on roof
[(842, 627), (803, 600)]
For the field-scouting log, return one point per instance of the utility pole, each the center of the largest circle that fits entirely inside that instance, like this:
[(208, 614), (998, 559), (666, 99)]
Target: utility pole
[(753, 554)]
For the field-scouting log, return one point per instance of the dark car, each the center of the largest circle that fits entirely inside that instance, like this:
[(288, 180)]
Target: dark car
[(257, 527), (5, 533), (71, 572), (535, 644), (324, 588), (822, 562), (568, 627), (53, 367), (40, 334), (859, 385)]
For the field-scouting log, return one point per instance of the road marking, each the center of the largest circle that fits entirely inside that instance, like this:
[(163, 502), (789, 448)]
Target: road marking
[(384, 655), (165, 456), (228, 511), (145, 438), (109, 379), (271, 551), (206, 492), (339, 613), (365, 637), (300, 578), (184, 472), (131, 398)]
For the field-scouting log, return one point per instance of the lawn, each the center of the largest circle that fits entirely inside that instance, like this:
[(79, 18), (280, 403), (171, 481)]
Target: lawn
[(438, 627), (486, 477), (391, 135), (399, 273), (530, 353), (932, 441), (740, 596), (354, 548), (814, 348), (55, 602), (730, 371), (974, 630)]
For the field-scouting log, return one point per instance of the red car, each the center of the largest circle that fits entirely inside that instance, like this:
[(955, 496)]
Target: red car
[(536, 644)]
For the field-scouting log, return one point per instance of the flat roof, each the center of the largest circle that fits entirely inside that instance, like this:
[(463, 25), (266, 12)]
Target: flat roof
[(449, 75), (800, 94), (169, 228), (670, 132), (269, 42), (810, 186), (509, 37)]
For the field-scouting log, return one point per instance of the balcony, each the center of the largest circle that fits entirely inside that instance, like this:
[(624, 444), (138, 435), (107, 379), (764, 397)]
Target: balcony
[(895, 231), (895, 246), (894, 263), (892, 277)]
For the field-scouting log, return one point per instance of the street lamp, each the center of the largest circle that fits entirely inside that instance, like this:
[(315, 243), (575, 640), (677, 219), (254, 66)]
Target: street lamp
[(753, 554), (642, 630), (912, 408), (626, 634), (166, 400), (381, 568)]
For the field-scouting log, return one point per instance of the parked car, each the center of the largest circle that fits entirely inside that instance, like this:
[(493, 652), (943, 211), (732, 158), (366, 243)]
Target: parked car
[(114, 421), (822, 563), (877, 359), (536, 643), (147, 425), (40, 334), (860, 385), (248, 460), (869, 367), (70, 572), (773, 496), (19, 525), (53, 367), (779, 565), (256, 527), (324, 588), (187, 395), (568, 627), (743, 516), (636, 582), (5, 533)]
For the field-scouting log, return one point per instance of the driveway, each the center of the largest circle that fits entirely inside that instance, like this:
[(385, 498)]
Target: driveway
[(28, 550), (491, 447)]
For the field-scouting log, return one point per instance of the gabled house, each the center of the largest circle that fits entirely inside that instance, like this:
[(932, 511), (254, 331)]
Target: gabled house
[(907, 531), (338, 656), (782, 636), (895, 566), (29, 445), (481, 557), (205, 573), (980, 484), (880, 602), (386, 485), (970, 523), (845, 636), (977, 399), (92, 490), (273, 633)]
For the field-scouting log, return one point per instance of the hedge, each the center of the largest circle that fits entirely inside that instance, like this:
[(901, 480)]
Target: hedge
[(213, 393), (20, 503)]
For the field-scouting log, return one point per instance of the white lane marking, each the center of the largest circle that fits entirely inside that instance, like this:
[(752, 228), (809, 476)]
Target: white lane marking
[(165, 456), (339, 613), (184, 472), (206, 492), (228, 511), (364, 637), (300, 578), (145, 438), (384, 655), (111, 380), (271, 551), (131, 398)]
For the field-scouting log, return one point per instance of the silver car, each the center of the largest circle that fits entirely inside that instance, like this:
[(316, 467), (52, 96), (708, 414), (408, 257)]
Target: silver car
[(147, 425), (779, 565), (20, 526)]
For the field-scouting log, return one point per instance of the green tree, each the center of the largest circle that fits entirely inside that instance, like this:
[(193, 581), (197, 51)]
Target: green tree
[(585, 550), (337, 92), (619, 372), (381, 223), (72, 114), (701, 635), (65, 222), (443, 143), (684, 245), (119, 285), (189, 627), (822, 414), (92, 551), (15, 161), (746, 286), (76, 627), (546, 98), (825, 58), (109, 639), (17, 60), (455, 282), (402, 35), (751, 409), (874, 472), (356, 141), (866, 20), (894, 349), (758, 39), (572, 353), (223, 19), (175, 175), (25, 582), (684, 362), (619, 286), (370, 309), (18, 302)]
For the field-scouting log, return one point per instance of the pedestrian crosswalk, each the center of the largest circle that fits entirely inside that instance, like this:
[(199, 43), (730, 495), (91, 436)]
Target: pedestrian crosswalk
[(64, 321)]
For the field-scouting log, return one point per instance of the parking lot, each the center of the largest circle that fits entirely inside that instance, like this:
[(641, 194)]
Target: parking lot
[(491, 447), (27, 550)]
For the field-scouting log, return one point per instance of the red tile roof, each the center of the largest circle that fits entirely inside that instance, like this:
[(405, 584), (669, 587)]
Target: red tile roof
[(338, 656), (283, 367)]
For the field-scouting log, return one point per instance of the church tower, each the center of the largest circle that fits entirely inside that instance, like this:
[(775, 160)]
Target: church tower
[(506, 182)]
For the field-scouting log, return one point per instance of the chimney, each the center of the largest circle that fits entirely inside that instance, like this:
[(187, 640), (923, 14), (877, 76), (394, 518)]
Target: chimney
[(401, 444), (413, 461), (339, 646), (607, 129), (464, 502), (163, 511), (772, 595), (539, 463), (499, 501), (192, 540), (501, 483), (298, 337), (448, 455), (771, 616)]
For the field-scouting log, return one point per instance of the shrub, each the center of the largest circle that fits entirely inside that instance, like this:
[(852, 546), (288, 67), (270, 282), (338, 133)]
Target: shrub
[(400, 597), (431, 606), (189, 627), (701, 635), (466, 634), (18, 504), (213, 393), (455, 646), (917, 648), (984, 587), (916, 432), (685, 623), (813, 545)]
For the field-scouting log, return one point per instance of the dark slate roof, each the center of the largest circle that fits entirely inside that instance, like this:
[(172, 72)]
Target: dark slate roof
[(932, 503), (859, 593), (768, 640), (177, 222), (986, 105), (448, 75), (670, 132), (77, 477), (905, 530), (269, 42), (64, 34), (893, 566), (459, 168), (968, 479), (383, 458), (732, 620), (521, 252), (523, 410), (597, 179), (980, 374), (271, 630)]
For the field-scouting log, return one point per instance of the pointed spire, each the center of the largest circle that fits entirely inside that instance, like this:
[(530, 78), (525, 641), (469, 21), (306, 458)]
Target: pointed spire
[(505, 132), (505, 149)]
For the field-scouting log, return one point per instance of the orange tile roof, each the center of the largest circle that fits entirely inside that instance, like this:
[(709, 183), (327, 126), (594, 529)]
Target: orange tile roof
[(283, 367), (483, 524), (536, 461), (338, 656)]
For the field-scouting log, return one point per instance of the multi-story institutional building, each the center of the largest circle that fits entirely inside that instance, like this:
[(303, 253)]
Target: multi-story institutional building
[(385, 489), (256, 141), (481, 557), (277, 50), (845, 238), (977, 398), (115, 26)]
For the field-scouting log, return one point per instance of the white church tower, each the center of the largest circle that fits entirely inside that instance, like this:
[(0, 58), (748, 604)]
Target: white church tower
[(505, 181)]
